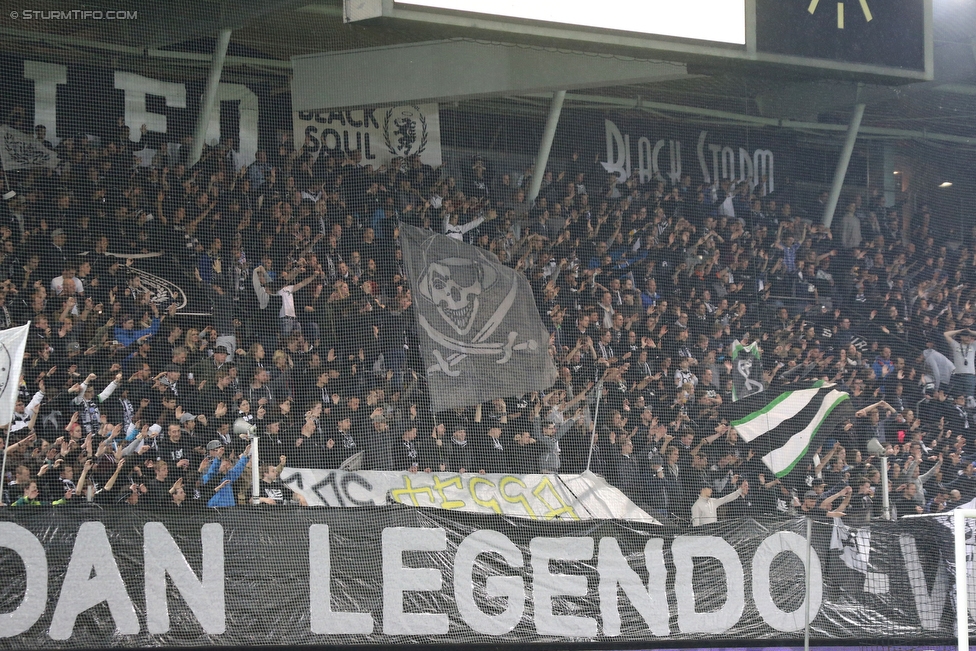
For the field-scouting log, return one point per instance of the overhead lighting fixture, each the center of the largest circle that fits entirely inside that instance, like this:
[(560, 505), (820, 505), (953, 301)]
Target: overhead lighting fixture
[(947, 184), (896, 172)]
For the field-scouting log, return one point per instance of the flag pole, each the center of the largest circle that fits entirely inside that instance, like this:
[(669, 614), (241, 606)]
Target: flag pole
[(3, 465), (596, 415), (6, 179)]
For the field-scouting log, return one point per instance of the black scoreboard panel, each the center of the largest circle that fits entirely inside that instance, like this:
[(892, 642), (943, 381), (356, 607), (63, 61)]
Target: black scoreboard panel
[(888, 33), (876, 39)]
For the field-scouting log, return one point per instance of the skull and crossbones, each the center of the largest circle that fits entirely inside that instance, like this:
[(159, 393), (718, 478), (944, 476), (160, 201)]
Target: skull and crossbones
[(455, 286), (464, 291)]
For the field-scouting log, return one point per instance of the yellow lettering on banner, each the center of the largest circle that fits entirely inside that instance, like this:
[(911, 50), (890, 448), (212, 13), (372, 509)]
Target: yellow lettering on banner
[(411, 492), (489, 504), (439, 486), (553, 513), (515, 499)]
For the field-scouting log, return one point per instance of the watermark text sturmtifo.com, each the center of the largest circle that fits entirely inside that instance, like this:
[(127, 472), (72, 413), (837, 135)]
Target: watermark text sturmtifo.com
[(74, 14)]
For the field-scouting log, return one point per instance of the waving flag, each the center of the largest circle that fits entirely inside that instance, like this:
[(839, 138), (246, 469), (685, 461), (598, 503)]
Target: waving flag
[(480, 333), (781, 431), (13, 343)]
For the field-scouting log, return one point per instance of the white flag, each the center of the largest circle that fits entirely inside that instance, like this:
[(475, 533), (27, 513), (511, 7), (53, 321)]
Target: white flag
[(21, 151), (13, 342)]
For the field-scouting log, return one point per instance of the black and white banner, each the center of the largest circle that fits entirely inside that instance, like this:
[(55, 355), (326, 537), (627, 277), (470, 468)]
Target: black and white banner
[(20, 151), (87, 578), (378, 134), (60, 97)]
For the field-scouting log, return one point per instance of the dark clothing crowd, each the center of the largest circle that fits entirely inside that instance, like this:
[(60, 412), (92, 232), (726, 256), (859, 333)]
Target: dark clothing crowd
[(127, 399)]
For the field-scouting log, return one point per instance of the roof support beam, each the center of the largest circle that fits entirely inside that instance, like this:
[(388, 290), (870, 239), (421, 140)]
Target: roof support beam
[(842, 164), (542, 158), (741, 118), (209, 95), (459, 69)]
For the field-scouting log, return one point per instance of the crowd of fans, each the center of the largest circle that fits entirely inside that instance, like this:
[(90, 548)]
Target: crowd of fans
[(643, 287)]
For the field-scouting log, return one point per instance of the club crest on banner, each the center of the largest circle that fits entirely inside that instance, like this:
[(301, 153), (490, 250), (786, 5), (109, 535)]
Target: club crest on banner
[(20, 151), (472, 297), (161, 291), (747, 378), (23, 154), (744, 368), (405, 131)]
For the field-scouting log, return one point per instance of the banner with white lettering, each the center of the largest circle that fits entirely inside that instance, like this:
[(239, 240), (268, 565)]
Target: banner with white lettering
[(636, 145), (378, 134), (94, 578), (159, 112)]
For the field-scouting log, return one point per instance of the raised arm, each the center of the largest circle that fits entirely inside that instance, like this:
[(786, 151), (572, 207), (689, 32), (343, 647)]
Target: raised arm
[(950, 336), (667, 441), (15, 447), (840, 511), (861, 413), (577, 398), (708, 439), (115, 476), (238, 468), (931, 471), (84, 475), (823, 462), (734, 495), (302, 284), (214, 467), (110, 389)]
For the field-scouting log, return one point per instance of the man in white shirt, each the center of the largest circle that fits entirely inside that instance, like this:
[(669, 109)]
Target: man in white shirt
[(705, 508), (287, 314), (67, 276), (456, 230)]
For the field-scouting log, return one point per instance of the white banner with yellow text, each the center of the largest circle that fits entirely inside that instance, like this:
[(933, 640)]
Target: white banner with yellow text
[(537, 497)]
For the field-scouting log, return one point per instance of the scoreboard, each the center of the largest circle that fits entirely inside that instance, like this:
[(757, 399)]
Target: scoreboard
[(882, 39), (722, 21), (882, 33)]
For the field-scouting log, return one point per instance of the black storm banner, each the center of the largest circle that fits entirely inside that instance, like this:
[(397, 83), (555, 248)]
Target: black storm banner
[(86, 578)]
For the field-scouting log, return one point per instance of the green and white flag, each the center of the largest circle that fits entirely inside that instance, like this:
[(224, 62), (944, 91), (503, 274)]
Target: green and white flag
[(781, 431), (747, 378)]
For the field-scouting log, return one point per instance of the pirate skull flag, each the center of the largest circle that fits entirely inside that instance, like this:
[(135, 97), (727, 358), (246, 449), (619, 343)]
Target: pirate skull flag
[(479, 329)]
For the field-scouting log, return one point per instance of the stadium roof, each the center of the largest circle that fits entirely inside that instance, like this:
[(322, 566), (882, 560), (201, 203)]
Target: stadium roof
[(172, 39)]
